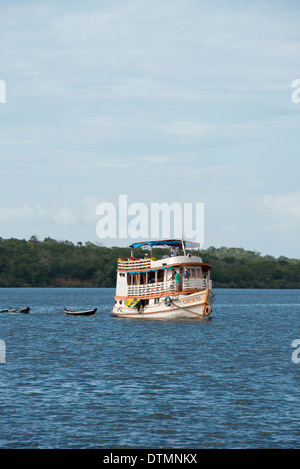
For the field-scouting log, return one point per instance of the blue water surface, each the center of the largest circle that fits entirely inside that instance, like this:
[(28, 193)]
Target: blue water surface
[(106, 382)]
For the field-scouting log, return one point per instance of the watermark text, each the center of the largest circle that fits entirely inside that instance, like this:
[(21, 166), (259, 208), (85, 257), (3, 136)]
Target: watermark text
[(151, 458), (2, 91), (296, 353), (295, 97), (2, 351), (159, 220)]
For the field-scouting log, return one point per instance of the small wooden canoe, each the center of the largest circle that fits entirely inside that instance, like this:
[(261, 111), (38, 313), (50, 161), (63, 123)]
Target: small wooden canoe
[(88, 312), (15, 310)]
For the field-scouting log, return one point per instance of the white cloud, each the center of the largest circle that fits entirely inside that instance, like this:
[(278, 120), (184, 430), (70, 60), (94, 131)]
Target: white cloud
[(187, 129), (105, 95), (90, 204), (136, 49), (80, 210), (190, 129), (22, 212), (285, 208), (63, 216), (26, 212)]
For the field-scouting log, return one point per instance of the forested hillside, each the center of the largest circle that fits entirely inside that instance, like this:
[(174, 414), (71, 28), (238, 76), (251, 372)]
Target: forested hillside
[(51, 263)]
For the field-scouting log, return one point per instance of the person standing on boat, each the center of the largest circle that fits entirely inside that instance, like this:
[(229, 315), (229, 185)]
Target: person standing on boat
[(173, 251), (177, 281), (186, 274)]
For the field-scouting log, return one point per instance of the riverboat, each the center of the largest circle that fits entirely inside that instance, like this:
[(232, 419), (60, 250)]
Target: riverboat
[(176, 286)]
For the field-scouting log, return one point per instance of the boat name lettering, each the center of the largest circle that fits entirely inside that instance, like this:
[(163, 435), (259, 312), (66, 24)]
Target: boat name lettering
[(192, 300)]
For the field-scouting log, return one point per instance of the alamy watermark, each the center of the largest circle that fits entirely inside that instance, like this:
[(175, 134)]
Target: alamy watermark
[(296, 353), (2, 91), (2, 351), (295, 97), (159, 220)]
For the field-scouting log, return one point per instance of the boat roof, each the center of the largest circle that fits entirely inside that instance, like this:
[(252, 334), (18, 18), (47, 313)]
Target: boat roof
[(166, 242)]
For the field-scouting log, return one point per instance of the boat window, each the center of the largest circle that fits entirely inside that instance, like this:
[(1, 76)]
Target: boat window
[(131, 279), (160, 275), (151, 277), (142, 279)]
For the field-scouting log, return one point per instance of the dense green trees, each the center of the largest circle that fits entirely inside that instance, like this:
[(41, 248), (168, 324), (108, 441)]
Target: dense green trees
[(49, 263), (238, 268)]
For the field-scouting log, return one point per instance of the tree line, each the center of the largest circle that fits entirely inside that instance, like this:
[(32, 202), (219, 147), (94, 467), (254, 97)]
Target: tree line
[(52, 263)]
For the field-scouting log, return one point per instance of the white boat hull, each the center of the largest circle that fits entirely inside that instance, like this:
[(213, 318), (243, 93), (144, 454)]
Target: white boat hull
[(183, 306)]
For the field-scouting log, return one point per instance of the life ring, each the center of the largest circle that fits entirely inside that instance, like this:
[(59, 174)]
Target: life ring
[(207, 310), (168, 301)]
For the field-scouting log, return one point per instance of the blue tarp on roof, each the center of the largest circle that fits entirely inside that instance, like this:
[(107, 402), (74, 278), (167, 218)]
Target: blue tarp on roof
[(152, 270), (166, 242)]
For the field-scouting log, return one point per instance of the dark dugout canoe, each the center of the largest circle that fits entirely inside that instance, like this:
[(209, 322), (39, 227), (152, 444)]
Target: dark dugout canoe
[(89, 312), (15, 310)]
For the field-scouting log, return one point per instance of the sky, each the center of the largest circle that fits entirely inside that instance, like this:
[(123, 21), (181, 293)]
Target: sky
[(169, 101)]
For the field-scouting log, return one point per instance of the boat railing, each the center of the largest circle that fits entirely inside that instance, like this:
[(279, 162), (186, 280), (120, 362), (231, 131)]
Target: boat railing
[(150, 288), (136, 264), (167, 286), (191, 283)]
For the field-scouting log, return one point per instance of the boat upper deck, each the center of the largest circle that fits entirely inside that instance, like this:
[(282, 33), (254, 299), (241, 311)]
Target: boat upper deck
[(153, 264), (178, 256)]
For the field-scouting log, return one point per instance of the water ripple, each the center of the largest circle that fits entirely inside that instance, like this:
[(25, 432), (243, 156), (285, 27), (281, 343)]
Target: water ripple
[(104, 382)]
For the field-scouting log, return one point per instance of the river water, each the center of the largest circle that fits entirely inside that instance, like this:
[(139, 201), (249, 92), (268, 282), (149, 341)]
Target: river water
[(105, 382)]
